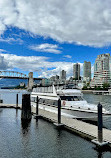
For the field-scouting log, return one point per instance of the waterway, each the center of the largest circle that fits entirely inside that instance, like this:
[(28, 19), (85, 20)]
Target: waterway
[(9, 96), (40, 139), (11, 82), (106, 103)]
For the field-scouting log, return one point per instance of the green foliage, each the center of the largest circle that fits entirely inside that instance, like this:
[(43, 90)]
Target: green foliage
[(84, 88), (77, 78), (98, 88), (106, 86), (20, 87)]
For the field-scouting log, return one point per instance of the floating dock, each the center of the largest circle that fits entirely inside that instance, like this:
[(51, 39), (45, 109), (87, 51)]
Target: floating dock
[(11, 106), (85, 130)]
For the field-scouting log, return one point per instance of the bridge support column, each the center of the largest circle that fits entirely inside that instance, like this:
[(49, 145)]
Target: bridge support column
[(30, 81)]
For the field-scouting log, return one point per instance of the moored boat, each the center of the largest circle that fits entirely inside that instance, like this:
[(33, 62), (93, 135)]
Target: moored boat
[(72, 102)]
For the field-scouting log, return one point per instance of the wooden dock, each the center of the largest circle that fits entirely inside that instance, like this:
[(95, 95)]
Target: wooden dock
[(10, 106), (81, 128), (86, 130)]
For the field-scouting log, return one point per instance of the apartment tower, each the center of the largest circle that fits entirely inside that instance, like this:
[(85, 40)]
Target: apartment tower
[(102, 70), (76, 71), (87, 71)]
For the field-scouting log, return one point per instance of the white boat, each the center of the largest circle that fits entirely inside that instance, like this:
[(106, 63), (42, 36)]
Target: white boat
[(72, 102)]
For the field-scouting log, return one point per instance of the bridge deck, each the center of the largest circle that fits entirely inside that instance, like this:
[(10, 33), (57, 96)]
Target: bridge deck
[(14, 77)]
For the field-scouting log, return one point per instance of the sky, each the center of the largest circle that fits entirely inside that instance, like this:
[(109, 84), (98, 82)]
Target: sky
[(47, 36)]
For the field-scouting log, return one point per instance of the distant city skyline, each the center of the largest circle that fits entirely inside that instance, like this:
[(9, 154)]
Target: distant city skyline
[(46, 38)]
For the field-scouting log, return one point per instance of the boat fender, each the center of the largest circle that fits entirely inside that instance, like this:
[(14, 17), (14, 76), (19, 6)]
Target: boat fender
[(64, 103)]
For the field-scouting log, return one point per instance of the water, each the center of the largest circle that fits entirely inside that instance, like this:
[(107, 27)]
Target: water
[(103, 99), (5, 82), (106, 103), (11, 82), (40, 139), (9, 96)]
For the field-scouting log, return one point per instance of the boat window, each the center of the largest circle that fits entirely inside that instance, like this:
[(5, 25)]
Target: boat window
[(76, 98), (71, 98), (80, 98)]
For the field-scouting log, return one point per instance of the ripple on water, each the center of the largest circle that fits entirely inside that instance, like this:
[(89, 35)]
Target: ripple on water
[(40, 139)]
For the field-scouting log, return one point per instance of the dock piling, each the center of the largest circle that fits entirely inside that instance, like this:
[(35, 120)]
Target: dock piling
[(16, 100), (99, 142), (59, 111), (59, 124), (100, 124), (26, 107), (37, 109), (37, 105)]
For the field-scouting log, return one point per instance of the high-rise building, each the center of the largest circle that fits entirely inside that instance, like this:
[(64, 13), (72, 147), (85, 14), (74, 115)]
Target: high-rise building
[(87, 71), (63, 75), (76, 71), (102, 70)]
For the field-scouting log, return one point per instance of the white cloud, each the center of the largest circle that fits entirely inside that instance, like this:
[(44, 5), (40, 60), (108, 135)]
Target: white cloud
[(46, 47), (2, 50), (82, 22), (38, 64), (11, 40), (68, 56), (3, 63)]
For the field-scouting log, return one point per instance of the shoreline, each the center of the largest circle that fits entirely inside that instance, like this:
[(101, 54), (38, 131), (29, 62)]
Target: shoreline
[(87, 91)]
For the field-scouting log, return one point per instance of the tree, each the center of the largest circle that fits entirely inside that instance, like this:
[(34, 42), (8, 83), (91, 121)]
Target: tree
[(84, 88), (106, 86)]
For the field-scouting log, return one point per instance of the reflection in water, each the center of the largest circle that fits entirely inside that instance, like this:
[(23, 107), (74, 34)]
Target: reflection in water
[(59, 131), (100, 155), (102, 150), (1, 110), (16, 112), (40, 139), (25, 124)]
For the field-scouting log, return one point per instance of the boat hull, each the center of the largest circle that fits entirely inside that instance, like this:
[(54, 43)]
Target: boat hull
[(73, 113)]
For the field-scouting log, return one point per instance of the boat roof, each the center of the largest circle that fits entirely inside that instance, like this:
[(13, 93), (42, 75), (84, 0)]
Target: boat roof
[(69, 92)]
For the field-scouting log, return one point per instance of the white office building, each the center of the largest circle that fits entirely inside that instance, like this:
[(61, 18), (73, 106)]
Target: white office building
[(102, 70)]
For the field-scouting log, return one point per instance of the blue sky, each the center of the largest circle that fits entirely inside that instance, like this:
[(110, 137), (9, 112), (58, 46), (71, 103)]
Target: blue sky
[(46, 36)]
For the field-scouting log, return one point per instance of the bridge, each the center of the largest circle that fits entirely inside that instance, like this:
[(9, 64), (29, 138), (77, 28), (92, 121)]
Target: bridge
[(15, 75)]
